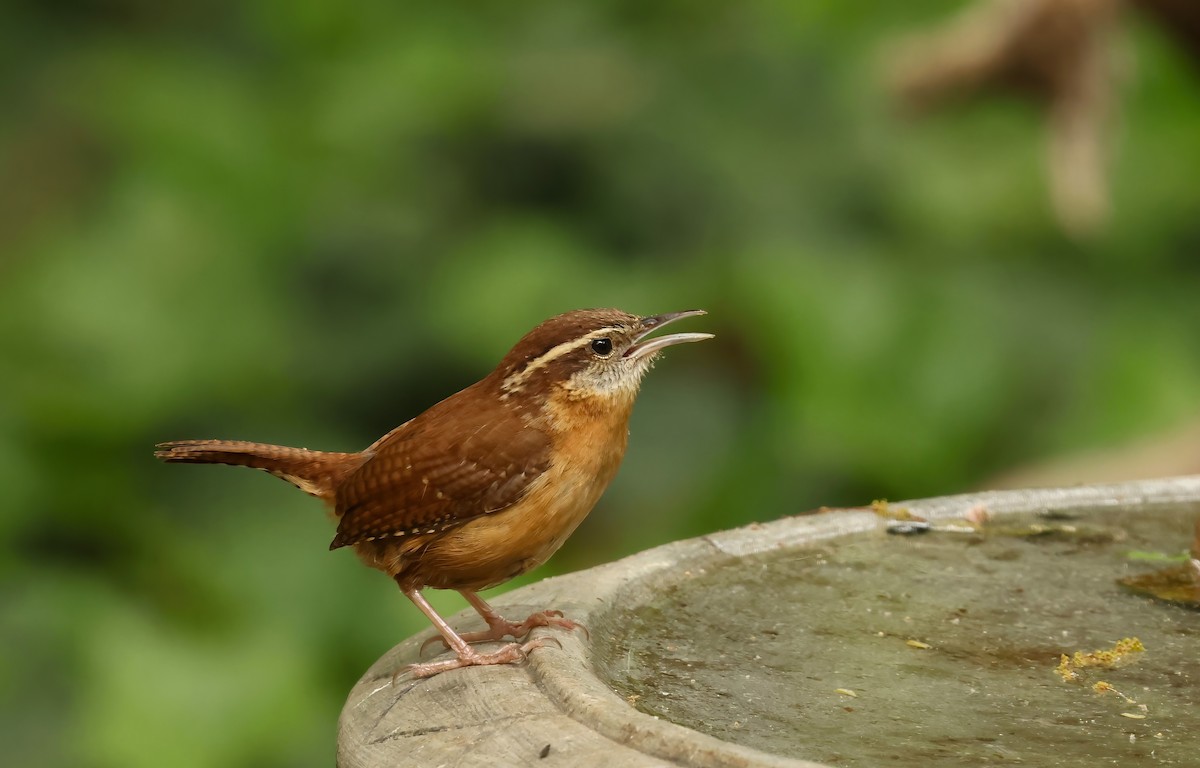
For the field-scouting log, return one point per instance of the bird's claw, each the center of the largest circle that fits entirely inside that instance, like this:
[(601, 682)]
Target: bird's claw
[(506, 654), (500, 628)]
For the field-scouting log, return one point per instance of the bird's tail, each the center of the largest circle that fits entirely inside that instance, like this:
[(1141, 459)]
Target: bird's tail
[(315, 472)]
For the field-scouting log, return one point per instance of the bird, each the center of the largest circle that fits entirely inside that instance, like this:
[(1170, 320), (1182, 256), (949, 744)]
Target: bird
[(488, 483)]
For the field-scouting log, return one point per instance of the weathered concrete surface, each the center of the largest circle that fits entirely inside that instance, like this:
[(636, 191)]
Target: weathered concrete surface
[(554, 710)]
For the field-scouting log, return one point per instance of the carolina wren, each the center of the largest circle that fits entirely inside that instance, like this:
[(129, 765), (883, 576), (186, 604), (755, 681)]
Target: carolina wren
[(488, 483)]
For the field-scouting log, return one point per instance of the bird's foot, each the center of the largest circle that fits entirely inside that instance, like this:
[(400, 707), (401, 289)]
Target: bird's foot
[(500, 628), (507, 654)]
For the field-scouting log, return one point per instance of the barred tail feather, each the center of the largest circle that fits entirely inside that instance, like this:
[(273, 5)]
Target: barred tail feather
[(315, 472)]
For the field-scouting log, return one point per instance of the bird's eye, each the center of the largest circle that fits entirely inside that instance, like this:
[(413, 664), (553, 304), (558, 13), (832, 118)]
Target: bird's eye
[(602, 347)]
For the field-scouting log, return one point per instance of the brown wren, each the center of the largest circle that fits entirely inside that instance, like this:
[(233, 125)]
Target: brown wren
[(488, 483)]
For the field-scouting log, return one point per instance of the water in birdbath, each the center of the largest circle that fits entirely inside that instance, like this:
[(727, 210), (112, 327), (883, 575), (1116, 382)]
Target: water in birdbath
[(943, 649)]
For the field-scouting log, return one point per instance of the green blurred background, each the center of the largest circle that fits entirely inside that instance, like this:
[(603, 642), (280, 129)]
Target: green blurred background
[(304, 222)]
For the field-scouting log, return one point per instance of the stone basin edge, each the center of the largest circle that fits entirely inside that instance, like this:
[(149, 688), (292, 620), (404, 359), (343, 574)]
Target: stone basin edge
[(596, 597), (569, 679)]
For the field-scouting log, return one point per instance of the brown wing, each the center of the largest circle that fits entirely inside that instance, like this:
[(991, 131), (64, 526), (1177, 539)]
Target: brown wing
[(439, 470)]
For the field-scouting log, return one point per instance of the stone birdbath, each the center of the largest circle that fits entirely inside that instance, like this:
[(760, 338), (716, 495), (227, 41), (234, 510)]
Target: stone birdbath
[(964, 630)]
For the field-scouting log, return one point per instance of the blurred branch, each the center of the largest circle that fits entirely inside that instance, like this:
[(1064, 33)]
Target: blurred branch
[(1061, 53)]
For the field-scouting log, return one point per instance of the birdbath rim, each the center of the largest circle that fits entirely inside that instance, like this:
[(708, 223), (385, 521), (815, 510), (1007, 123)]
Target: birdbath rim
[(557, 696)]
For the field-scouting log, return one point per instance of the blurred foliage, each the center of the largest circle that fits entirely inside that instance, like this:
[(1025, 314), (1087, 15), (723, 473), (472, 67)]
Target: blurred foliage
[(305, 222)]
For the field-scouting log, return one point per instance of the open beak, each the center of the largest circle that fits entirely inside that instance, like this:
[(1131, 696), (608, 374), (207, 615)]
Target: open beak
[(651, 324)]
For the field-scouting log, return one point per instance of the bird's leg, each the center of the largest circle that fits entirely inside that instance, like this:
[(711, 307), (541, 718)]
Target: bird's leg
[(467, 656), (500, 627)]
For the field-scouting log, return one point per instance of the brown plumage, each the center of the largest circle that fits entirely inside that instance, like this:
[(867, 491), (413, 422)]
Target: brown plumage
[(317, 473), (489, 482)]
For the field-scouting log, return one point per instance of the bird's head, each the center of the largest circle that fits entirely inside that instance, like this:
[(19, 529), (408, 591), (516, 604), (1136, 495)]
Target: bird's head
[(589, 353)]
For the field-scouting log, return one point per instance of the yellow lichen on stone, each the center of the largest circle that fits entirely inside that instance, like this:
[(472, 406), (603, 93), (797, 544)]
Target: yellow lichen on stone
[(1069, 666), (1064, 670), (883, 509)]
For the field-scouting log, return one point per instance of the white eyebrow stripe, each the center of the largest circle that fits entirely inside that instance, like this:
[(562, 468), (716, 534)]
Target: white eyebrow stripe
[(516, 380)]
